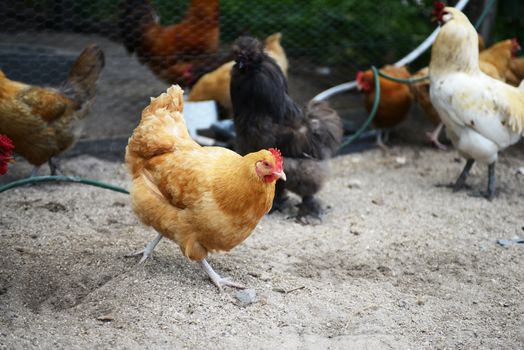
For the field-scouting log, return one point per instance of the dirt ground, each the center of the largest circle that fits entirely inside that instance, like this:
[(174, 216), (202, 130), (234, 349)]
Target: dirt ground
[(398, 263)]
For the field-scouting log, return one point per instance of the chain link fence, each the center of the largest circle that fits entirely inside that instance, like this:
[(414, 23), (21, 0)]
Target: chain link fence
[(326, 42)]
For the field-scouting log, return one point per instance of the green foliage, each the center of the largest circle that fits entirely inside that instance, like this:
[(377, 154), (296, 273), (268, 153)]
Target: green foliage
[(326, 32)]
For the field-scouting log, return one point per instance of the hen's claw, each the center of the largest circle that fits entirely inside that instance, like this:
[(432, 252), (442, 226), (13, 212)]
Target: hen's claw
[(435, 142), (147, 252), (309, 211), (218, 281)]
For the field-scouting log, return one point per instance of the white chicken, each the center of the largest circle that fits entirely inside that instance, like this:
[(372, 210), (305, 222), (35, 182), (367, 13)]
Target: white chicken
[(482, 115)]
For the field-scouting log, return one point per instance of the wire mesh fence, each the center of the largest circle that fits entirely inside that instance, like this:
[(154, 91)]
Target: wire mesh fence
[(326, 42)]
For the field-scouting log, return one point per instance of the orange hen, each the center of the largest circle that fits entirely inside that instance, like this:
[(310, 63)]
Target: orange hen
[(206, 199), (395, 98)]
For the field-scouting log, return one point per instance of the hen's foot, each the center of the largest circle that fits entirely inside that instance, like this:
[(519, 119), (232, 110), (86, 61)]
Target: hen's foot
[(54, 166), (218, 281), (309, 211), (147, 252), (433, 137), (435, 142)]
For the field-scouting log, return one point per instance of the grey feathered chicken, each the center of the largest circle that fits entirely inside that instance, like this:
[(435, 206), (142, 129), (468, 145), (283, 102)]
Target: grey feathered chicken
[(265, 116)]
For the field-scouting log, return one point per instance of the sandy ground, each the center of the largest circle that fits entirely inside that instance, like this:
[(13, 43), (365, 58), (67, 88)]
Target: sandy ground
[(398, 263)]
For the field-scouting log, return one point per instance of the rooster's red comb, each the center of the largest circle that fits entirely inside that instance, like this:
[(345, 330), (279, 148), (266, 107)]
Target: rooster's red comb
[(439, 6), (278, 157)]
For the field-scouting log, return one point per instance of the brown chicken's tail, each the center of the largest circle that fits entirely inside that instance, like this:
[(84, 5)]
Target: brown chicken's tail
[(162, 128), (80, 86)]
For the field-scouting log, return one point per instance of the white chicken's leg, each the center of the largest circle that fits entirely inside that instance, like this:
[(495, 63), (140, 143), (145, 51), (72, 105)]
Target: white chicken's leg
[(461, 181), (433, 137), (490, 193), (216, 279), (148, 250)]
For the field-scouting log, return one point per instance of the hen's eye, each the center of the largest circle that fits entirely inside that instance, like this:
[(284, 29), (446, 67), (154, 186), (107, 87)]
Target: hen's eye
[(266, 164)]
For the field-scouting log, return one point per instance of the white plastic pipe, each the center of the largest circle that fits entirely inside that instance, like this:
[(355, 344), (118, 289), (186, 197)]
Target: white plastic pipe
[(413, 55)]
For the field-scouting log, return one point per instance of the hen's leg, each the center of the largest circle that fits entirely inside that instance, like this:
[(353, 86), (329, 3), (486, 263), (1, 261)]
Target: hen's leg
[(433, 137), (53, 166), (310, 208), (380, 141), (216, 279), (34, 172), (461, 181), (148, 250)]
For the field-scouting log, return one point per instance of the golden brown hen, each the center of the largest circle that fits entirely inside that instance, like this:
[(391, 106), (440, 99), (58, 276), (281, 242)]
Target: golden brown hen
[(206, 199), (44, 122)]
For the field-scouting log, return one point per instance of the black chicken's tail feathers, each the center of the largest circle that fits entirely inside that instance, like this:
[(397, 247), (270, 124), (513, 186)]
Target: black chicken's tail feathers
[(135, 16), (84, 74), (326, 129), (248, 52)]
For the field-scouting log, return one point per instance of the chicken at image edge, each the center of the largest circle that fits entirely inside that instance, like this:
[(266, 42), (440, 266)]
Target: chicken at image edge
[(483, 116), (206, 199), (43, 122)]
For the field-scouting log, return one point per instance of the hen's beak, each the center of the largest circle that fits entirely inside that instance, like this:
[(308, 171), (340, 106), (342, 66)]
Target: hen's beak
[(280, 174)]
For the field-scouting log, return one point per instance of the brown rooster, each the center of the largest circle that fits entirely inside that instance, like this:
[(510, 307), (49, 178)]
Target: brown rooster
[(175, 52), (44, 122)]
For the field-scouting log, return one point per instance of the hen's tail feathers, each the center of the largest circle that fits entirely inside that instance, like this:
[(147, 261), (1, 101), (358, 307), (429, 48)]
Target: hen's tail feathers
[(248, 53), (135, 16), (80, 85), (326, 128), (162, 128)]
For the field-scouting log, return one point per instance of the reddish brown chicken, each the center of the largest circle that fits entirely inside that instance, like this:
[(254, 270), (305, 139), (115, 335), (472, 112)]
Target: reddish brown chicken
[(172, 52), (395, 98)]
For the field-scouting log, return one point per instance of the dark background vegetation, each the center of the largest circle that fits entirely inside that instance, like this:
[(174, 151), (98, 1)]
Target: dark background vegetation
[(325, 32)]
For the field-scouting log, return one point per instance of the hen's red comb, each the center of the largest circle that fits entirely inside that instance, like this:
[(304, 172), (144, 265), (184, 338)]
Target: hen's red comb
[(278, 157), (6, 143), (360, 75)]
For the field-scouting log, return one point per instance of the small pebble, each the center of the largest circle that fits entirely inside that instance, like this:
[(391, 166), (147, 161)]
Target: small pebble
[(246, 296)]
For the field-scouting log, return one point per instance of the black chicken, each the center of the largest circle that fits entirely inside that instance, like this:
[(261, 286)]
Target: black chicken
[(265, 116)]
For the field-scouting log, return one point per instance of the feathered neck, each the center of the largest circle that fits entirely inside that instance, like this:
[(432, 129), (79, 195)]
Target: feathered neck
[(455, 49)]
